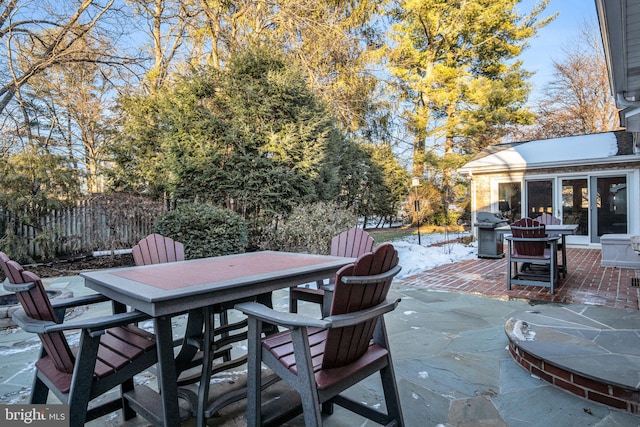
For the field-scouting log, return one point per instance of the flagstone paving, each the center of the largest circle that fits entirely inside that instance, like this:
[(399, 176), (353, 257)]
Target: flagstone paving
[(450, 350)]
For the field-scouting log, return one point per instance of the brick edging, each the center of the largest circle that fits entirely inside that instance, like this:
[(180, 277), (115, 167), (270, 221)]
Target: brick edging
[(587, 388)]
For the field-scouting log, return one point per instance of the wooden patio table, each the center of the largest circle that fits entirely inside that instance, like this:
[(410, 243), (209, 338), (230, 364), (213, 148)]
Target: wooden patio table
[(165, 290), (562, 229)]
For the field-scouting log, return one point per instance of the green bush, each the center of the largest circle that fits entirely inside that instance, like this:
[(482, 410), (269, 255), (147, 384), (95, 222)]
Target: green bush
[(14, 247), (205, 230), (310, 227)]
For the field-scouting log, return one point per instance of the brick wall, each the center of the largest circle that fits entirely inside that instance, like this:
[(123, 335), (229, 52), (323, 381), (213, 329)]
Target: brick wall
[(596, 391)]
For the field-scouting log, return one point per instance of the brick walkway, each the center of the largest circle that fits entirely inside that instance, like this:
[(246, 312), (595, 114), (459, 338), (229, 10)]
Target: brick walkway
[(586, 281)]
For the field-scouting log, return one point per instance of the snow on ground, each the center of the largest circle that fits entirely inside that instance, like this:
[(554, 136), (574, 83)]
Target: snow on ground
[(416, 258)]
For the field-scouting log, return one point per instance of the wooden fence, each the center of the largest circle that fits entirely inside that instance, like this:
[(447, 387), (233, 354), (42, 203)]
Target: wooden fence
[(95, 224)]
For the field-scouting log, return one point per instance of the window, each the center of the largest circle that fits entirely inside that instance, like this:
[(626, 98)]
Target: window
[(509, 200), (539, 198)]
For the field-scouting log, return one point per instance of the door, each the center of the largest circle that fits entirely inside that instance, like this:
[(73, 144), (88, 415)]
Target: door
[(539, 197), (575, 205), (608, 206)]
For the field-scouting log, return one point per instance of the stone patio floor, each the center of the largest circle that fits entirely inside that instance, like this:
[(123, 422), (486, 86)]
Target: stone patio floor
[(453, 360)]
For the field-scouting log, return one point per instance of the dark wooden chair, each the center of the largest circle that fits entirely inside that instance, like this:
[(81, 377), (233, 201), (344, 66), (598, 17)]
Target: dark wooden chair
[(111, 351), (158, 249), (530, 246), (320, 358), (351, 243)]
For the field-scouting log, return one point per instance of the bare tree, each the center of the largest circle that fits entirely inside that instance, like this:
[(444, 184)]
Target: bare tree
[(578, 101), (164, 22), (74, 103), (59, 76), (38, 35)]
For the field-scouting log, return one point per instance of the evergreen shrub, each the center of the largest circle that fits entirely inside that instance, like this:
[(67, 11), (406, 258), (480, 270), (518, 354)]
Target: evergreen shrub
[(205, 230), (310, 227)]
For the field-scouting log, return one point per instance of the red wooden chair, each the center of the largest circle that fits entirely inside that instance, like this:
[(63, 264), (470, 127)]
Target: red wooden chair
[(110, 353), (157, 249), (548, 219), (351, 243), (320, 358), (529, 245)]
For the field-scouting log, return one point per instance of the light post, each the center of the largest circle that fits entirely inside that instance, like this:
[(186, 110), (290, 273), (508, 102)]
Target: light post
[(415, 183)]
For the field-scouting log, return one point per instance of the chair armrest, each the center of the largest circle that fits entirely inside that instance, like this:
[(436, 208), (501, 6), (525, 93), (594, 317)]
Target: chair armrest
[(78, 301), (296, 320), (532, 239), (57, 304), (94, 325), (280, 318), (374, 278), (348, 319)]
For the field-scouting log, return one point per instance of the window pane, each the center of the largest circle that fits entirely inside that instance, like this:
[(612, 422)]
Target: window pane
[(509, 194), (575, 204), (539, 198), (612, 205)]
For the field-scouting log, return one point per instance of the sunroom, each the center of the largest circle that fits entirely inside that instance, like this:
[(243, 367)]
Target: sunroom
[(589, 180)]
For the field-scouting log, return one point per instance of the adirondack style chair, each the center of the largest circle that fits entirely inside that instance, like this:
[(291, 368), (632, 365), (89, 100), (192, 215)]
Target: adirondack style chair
[(111, 351), (320, 358), (548, 219), (157, 249), (530, 246), (351, 243)]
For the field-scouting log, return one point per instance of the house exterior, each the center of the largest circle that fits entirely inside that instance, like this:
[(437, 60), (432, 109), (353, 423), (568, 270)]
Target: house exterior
[(620, 29), (589, 180)]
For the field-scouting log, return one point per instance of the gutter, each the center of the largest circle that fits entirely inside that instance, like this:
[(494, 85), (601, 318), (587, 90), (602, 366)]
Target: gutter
[(629, 158)]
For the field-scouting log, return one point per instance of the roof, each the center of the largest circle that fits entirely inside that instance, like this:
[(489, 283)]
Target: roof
[(620, 28), (580, 150)]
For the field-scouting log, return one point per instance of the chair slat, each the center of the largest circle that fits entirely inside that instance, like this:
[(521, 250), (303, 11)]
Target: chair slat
[(113, 357), (529, 228), (137, 337)]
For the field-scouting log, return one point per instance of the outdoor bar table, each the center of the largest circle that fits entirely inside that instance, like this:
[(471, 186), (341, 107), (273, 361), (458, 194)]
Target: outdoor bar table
[(165, 290), (562, 229)]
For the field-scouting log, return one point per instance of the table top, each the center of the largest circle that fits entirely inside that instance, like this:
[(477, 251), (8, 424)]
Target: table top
[(171, 288), (551, 228)]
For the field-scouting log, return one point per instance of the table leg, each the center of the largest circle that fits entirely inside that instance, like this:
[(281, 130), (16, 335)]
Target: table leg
[(563, 268), (203, 389), (167, 377)]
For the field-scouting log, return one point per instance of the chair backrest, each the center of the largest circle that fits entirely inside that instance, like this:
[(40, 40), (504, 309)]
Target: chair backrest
[(351, 243), (529, 228), (157, 249), (548, 219), (36, 304), (345, 345)]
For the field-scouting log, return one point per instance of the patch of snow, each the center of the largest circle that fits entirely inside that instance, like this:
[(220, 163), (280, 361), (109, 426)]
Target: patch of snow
[(415, 258)]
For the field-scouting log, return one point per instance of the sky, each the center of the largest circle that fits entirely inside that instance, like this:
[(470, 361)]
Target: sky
[(548, 44)]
